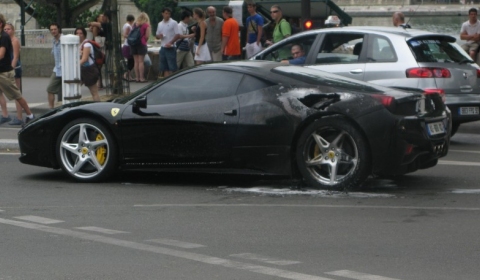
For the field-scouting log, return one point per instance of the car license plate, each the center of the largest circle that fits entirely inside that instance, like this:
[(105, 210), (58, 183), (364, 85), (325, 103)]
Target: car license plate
[(468, 111), (436, 128)]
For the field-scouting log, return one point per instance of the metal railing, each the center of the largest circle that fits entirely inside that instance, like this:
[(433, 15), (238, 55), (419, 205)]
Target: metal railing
[(40, 38)]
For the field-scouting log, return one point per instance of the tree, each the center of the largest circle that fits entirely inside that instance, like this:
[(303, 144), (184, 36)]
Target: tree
[(68, 13)]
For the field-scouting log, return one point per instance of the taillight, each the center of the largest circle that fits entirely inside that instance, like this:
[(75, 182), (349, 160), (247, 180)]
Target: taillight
[(440, 92), (387, 101), (429, 72), (478, 73)]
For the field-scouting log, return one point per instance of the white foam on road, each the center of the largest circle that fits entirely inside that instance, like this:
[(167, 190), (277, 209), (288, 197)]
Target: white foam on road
[(466, 191), (306, 192)]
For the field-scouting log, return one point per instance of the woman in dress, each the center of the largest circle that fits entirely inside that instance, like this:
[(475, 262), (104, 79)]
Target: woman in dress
[(202, 54), (139, 51), (88, 70)]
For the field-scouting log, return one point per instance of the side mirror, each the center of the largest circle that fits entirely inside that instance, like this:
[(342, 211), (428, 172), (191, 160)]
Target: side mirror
[(139, 103)]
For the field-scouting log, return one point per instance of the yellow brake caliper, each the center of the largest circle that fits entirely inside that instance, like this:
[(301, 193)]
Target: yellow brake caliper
[(101, 151)]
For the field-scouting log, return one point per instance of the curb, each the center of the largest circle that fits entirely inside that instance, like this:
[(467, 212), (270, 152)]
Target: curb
[(9, 144)]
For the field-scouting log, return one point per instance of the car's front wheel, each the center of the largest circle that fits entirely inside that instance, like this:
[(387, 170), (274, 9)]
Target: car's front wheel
[(86, 150), (332, 154)]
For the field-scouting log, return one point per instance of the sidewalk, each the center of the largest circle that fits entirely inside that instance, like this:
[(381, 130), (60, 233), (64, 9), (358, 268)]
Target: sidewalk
[(34, 91)]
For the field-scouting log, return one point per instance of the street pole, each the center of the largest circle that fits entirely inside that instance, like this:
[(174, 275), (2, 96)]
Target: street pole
[(305, 11)]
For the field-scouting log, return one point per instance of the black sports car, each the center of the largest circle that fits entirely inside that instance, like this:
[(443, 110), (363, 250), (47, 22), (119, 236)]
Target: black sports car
[(248, 117)]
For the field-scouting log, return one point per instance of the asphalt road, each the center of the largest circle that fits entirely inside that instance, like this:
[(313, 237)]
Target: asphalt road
[(191, 226)]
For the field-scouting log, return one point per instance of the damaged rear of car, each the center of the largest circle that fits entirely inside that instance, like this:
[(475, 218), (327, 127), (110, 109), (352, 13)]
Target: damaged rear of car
[(353, 129)]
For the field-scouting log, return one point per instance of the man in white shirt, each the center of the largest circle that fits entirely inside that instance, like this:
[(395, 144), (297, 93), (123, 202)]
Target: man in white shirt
[(168, 32), (184, 53), (470, 32)]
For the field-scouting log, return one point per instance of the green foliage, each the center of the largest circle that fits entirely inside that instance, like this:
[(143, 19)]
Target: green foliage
[(154, 10), (46, 14)]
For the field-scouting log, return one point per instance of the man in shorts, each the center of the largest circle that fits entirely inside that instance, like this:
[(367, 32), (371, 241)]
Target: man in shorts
[(7, 74), (55, 85), (167, 31), (470, 32)]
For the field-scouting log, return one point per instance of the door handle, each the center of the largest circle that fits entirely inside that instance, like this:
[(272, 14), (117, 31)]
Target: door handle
[(356, 71), (230, 113)]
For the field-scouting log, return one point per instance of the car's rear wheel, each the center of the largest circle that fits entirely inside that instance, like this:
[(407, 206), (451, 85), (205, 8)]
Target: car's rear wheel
[(333, 154), (86, 150)]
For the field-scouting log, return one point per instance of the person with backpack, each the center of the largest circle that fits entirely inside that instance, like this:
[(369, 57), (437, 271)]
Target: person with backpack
[(282, 30), (137, 40), (89, 72), (254, 26)]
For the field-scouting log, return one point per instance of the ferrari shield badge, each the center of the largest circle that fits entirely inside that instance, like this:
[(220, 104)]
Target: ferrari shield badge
[(115, 111)]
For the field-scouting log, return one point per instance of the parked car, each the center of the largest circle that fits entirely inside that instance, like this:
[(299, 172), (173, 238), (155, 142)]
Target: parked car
[(393, 57), (248, 117)]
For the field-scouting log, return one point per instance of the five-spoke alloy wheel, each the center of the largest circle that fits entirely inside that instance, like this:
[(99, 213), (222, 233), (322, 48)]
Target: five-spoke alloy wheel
[(86, 150), (333, 154)]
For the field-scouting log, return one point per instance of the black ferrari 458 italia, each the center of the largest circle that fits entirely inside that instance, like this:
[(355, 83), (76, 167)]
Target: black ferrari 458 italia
[(249, 117)]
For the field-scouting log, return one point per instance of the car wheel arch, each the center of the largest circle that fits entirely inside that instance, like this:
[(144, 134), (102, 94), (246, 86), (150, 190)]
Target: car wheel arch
[(315, 117)]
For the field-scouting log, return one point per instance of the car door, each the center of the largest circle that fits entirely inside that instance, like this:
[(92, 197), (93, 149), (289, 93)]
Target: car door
[(383, 64), (342, 53), (190, 119)]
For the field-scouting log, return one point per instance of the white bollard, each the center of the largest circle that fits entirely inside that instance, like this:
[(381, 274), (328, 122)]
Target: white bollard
[(70, 68)]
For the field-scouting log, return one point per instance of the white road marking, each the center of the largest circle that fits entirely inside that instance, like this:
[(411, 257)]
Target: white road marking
[(101, 230), (9, 154), (2, 210), (461, 163), (166, 251), (255, 257), (40, 220), (358, 275), (465, 151), (176, 243), (313, 206)]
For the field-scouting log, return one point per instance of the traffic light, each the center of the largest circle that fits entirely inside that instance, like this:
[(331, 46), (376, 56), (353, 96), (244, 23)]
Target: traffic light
[(307, 24)]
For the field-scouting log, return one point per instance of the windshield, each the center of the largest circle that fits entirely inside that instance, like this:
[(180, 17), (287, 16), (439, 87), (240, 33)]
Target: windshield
[(437, 50)]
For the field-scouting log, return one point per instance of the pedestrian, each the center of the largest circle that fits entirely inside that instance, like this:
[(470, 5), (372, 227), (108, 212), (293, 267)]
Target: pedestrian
[(470, 32), (214, 34), (139, 51), (281, 31), (398, 20), (126, 52), (184, 53), (254, 32), (230, 39), (88, 69), (202, 53), (55, 85), (103, 26), (167, 31), (7, 74), (10, 30)]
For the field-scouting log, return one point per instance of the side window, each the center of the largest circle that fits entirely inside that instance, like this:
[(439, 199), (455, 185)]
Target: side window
[(381, 50), (250, 84), (340, 48), (196, 86), (282, 50)]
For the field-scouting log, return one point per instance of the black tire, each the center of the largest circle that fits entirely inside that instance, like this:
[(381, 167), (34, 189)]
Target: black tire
[(455, 127), (345, 152), (92, 159)]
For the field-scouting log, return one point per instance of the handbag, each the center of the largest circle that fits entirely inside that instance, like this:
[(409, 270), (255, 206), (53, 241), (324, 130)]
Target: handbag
[(183, 45)]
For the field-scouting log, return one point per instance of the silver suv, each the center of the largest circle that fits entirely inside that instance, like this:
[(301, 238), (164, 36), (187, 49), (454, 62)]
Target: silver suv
[(394, 57)]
